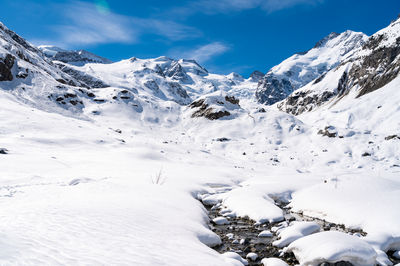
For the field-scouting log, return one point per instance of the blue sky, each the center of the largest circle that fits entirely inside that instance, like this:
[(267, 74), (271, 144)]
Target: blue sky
[(224, 35)]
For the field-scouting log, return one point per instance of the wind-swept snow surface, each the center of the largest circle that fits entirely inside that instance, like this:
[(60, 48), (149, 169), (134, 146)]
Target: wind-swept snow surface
[(332, 247)]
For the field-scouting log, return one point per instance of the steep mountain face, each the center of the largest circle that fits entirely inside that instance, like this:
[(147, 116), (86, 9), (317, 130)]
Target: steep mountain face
[(79, 57), (300, 69), (371, 67)]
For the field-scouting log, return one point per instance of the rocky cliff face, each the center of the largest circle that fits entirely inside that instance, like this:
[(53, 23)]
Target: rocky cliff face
[(371, 67), (302, 68)]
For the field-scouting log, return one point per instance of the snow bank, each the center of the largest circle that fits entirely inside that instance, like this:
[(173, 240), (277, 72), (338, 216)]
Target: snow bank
[(358, 202), (295, 231), (331, 246), (235, 256), (246, 201), (273, 262)]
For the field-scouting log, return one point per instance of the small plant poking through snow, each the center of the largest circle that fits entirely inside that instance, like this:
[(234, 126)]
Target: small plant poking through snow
[(158, 179)]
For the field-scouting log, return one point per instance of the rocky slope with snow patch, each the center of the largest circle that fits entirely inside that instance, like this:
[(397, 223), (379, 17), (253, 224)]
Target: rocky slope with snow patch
[(301, 68), (25, 72)]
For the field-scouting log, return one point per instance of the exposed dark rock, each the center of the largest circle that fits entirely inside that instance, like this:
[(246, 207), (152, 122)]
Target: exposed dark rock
[(319, 79), (272, 89), (231, 99), (377, 69), (256, 76), (392, 137), (3, 151), (196, 104), (22, 75), (204, 110), (223, 139), (304, 101), (6, 65), (329, 131), (365, 154), (210, 114)]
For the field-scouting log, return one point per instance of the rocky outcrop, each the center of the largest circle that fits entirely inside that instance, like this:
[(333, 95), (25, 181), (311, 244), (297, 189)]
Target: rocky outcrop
[(6, 65), (214, 107)]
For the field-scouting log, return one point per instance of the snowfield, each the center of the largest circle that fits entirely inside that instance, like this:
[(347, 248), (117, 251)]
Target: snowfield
[(75, 190)]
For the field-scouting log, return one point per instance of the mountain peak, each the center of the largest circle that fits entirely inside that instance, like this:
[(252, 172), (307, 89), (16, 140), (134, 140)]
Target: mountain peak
[(324, 40)]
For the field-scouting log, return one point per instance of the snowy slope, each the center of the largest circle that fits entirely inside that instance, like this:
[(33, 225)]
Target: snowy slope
[(300, 69)]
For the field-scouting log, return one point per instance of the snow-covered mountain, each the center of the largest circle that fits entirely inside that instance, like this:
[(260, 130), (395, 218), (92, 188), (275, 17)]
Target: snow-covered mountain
[(163, 78), (370, 68), (301, 68), (155, 161)]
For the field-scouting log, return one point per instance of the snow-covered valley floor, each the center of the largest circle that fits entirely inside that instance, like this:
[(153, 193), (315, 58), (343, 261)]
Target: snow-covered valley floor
[(116, 189)]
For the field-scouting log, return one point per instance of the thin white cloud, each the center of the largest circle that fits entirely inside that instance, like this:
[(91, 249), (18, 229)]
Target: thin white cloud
[(202, 53), (170, 29), (86, 25), (274, 5), (226, 6)]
